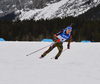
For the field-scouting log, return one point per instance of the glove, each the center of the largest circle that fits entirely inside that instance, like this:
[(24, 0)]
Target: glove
[(68, 46), (58, 40)]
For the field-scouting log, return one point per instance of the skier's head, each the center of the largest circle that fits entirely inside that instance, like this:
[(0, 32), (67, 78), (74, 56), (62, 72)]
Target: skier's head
[(68, 29)]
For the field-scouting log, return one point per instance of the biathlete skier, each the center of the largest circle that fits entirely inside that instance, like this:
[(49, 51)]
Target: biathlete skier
[(59, 38)]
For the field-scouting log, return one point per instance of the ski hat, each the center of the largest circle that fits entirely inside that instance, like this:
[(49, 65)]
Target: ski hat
[(69, 27)]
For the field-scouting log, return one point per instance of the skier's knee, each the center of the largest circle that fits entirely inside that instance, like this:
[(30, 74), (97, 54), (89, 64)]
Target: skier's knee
[(60, 51), (51, 47)]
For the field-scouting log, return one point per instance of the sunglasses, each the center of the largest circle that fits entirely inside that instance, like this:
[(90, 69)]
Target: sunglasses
[(69, 30)]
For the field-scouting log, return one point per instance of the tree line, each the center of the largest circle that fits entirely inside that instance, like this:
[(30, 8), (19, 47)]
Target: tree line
[(30, 30)]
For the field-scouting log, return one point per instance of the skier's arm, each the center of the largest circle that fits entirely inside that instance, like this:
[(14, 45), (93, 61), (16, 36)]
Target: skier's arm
[(55, 35), (69, 41)]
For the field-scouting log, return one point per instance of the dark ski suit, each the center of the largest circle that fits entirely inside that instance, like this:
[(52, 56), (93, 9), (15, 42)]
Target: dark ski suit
[(58, 42)]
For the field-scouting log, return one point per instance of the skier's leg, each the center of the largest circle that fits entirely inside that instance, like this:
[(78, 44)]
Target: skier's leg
[(60, 48), (52, 46)]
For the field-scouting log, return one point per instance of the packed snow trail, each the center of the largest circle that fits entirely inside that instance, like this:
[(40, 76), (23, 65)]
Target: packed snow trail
[(78, 65)]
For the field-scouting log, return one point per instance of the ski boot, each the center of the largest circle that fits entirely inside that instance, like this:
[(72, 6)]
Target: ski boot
[(41, 57)]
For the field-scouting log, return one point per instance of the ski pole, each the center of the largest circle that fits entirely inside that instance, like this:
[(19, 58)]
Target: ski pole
[(62, 51), (38, 50)]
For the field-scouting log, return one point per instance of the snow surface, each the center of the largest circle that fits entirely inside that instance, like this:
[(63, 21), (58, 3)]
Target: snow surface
[(78, 65)]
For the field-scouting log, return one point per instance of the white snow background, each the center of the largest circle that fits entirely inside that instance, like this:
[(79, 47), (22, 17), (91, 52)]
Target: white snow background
[(78, 65)]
